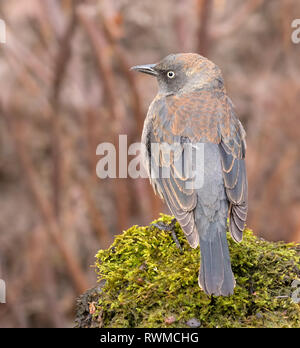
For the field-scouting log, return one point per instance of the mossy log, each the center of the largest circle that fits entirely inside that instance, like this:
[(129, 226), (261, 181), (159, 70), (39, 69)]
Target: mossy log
[(146, 281)]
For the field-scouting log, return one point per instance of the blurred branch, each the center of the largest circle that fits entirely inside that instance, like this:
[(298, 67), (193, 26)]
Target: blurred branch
[(63, 55), (97, 219), (101, 50), (205, 8), (238, 19), (125, 67), (47, 214), (60, 66), (42, 274), (52, 11), (28, 59), (180, 23), (273, 180), (142, 189)]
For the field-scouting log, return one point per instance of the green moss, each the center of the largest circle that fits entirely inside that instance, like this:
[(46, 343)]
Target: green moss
[(149, 280)]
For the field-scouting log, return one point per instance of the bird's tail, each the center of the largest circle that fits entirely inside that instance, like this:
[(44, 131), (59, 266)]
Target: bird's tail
[(215, 276)]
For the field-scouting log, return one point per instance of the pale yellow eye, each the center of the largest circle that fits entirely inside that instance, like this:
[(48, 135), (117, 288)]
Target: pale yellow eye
[(171, 74)]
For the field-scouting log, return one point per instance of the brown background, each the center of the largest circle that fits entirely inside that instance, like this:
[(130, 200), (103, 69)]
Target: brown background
[(65, 87)]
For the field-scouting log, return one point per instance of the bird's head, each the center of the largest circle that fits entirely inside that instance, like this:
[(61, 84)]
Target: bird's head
[(183, 72)]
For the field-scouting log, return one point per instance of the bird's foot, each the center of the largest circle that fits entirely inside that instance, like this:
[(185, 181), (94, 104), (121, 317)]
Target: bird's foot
[(170, 228), (164, 227)]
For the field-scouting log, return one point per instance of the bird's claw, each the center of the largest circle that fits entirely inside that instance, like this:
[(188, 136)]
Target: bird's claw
[(170, 228), (163, 226)]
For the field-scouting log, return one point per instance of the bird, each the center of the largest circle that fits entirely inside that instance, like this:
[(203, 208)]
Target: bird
[(192, 108)]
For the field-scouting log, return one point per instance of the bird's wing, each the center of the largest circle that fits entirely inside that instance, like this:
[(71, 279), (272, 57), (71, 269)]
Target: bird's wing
[(173, 185), (233, 149), (208, 116), (204, 116), (166, 153)]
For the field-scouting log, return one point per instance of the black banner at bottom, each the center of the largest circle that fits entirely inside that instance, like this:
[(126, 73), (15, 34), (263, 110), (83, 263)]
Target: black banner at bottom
[(121, 337)]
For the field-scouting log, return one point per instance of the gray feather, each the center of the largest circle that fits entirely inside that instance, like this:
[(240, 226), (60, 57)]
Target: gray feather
[(215, 275)]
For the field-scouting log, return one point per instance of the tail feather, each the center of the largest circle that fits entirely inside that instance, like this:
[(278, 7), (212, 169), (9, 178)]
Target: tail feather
[(215, 276), (238, 215)]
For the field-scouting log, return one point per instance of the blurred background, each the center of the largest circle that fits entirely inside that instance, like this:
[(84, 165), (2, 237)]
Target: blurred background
[(65, 87)]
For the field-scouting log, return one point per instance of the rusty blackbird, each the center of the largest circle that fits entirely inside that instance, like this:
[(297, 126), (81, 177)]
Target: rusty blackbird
[(192, 108)]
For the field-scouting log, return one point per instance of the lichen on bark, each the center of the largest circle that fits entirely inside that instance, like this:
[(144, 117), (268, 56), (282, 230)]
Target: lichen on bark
[(146, 281)]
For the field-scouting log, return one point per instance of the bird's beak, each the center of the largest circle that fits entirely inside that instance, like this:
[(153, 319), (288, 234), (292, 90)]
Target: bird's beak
[(147, 69)]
